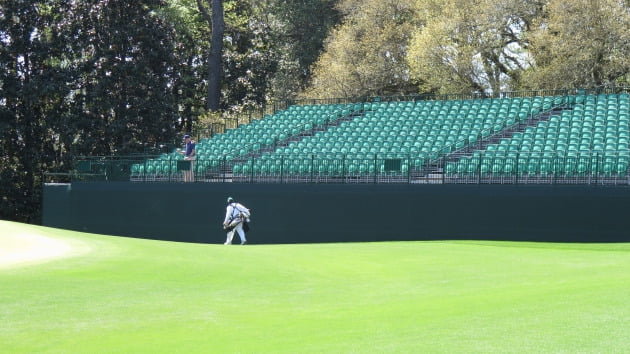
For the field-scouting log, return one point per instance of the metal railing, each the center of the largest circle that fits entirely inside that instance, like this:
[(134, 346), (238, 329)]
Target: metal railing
[(574, 167)]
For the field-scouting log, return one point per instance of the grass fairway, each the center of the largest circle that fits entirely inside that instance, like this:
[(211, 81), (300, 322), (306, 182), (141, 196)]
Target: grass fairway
[(112, 294)]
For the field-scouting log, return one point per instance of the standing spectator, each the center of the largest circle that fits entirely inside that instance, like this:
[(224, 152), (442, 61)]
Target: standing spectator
[(189, 155), (236, 214)]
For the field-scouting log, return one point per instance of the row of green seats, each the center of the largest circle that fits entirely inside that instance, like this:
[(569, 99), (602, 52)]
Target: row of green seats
[(571, 133), (422, 127), (612, 164), (253, 136)]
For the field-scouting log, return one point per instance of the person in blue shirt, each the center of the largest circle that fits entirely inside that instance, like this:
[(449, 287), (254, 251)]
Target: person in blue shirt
[(189, 155)]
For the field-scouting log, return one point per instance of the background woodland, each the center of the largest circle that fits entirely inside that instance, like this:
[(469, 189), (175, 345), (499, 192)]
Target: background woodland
[(105, 77)]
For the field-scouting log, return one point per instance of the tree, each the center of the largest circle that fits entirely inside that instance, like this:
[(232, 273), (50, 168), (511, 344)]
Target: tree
[(365, 56), (267, 49), (240, 71), (33, 85), (472, 46), (248, 60), (191, 40), (78, 78), (581, 43), (215, 67), (124, 96), (296, 33)]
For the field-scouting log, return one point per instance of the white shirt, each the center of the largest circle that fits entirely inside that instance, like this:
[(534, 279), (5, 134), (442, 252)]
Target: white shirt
[(233, 213)]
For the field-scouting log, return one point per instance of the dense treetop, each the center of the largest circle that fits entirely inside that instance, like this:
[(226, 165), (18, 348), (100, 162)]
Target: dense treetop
[(103, 77)]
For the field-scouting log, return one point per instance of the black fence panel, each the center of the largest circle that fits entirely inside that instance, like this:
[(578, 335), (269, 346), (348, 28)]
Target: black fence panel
[(306, 213)]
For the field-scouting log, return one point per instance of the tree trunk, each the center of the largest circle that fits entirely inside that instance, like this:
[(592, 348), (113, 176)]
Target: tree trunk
[(215, 67)]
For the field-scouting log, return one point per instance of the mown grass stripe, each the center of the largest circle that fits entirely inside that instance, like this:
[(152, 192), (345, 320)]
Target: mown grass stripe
[(133, 295)]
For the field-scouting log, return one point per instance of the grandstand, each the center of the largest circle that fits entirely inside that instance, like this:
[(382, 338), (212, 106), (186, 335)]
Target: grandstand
[(560, 137), (586, 139)]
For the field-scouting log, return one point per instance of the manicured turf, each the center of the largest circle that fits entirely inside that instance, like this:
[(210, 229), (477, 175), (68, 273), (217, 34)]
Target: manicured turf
[(116, 294)]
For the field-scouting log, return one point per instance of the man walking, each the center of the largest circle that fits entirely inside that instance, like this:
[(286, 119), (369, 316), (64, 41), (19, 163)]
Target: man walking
[(236, 214)]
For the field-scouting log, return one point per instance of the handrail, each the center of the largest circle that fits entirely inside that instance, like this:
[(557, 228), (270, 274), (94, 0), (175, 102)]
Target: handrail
[(302, 127), (451, 148)]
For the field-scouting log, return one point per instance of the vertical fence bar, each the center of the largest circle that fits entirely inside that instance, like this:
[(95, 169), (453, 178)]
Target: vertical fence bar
[(281, 168), (343, 169), (251, 171), (312, 168), (409, 166), (144, 171), (478, 169), (554, 168), (223, 169), (375, 168), (596, 169)]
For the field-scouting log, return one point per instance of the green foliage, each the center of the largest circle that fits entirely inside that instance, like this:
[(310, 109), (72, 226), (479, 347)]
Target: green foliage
[(484, 46), (297, 31), (365, 56), (247, 61), (191, 40), (269, 47), (472, 46), (79, 78), (100, 77), (33, 87), (126, 74), (580, 43)]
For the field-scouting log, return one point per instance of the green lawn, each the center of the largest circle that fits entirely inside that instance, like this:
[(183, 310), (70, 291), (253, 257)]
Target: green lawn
[(114, 294)]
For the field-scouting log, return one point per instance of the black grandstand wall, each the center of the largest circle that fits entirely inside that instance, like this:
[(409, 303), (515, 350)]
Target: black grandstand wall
[(309, 213)]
